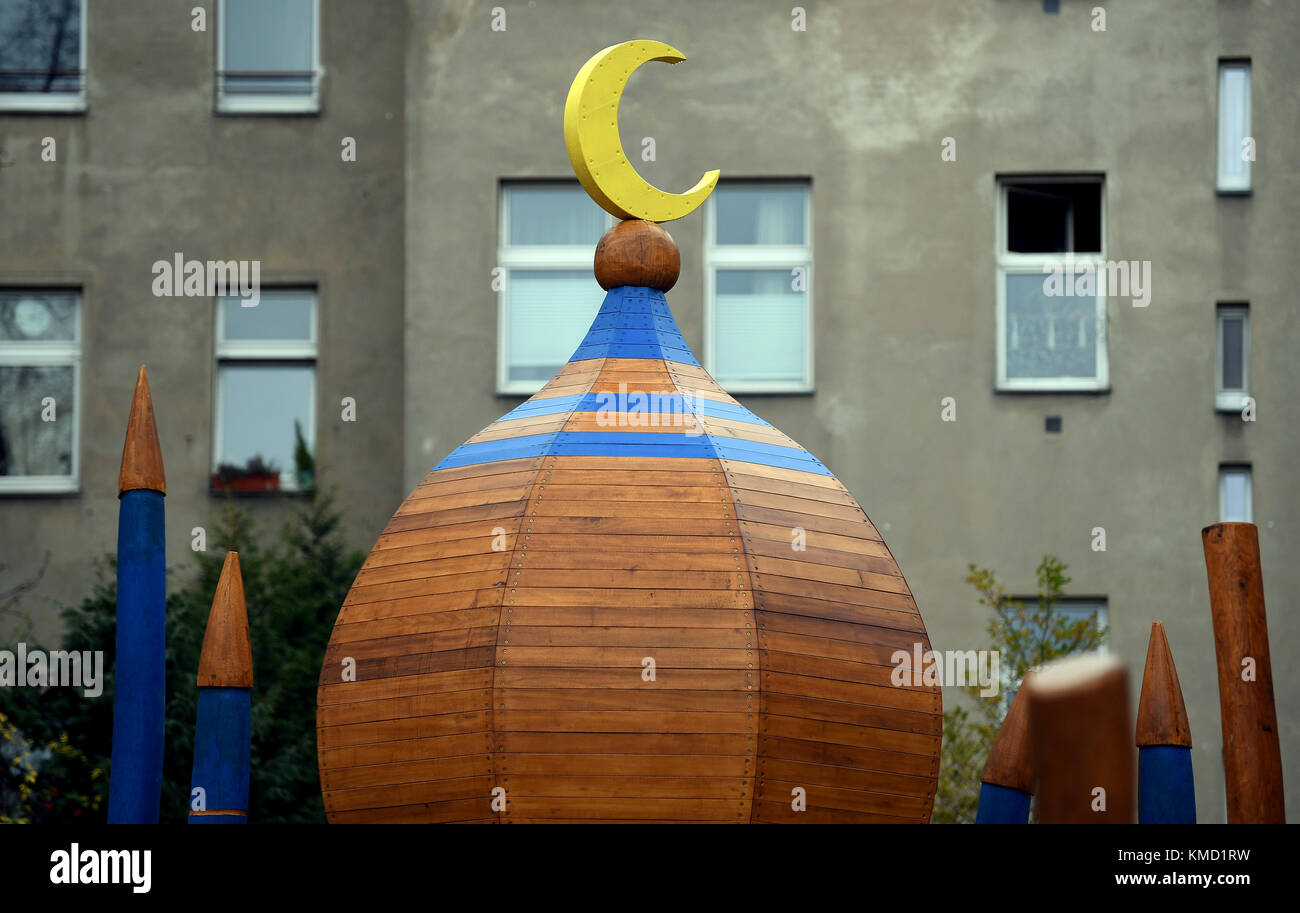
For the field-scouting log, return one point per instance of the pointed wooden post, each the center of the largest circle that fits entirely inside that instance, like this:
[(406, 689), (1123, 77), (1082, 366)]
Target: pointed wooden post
[(222, 736), (139, 696), (1252, 755), (1007, 785), (1080, 728), (1166, 791)]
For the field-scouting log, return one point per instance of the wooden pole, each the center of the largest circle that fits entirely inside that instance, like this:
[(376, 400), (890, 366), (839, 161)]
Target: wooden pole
[(1080, 731), (1007, 785), (1252, 755), (1166, 790), (139, 697), (222, 736)]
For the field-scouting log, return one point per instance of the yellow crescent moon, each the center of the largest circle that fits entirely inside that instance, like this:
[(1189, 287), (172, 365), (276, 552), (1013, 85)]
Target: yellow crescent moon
[(591, 136)]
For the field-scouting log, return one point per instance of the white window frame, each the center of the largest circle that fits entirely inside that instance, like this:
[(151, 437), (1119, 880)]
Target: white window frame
[(1009, 263), (1228, 183), (288, 352), (1244, 470), (268, 103), (548, 257), (53, 102), (1226, 400), (53, 353), (758, 257)]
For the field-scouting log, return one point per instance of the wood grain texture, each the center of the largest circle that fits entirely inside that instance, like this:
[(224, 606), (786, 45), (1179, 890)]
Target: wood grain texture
[(1252, 756), (142, 463), (1161, 716), (226, 660), (1011, 759), (627, 638), (637, 252)]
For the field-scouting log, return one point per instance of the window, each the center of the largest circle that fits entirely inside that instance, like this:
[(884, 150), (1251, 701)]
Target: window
[(1051, 296), (548, 295), (1073, 610), (266, 384), (40, 358), (1235, 152), (1235, 495), (1232, 363), (42, 55), (268, 56), (758, 298)]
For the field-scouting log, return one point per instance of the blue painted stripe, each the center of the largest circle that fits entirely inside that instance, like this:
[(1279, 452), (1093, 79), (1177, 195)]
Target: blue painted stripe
[(1166, 791), (1002, 805), (543, 407), (139, 697), (515, 448)]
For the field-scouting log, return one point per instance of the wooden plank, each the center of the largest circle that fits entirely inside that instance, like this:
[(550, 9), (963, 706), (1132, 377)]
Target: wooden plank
[(421, 605), (666, 658), (405, 794), (506, 429), (634, 743), (602, 699), (738, 467), (828, 649), (651, 638), (413, 644), (600, 616), (588, 677), (421, 727), (821, 510), (416, 664), (658, 464), (921, 699), (743, 480), (460, 810), (612, 475), (657, 765), (778, 811), (722, 557), (786, 727), (482, 530), (608, 598), (429, 586), (415, 624), (637, 510), (578, 545), (433, 518), (854, 714), (399, 708), (810, 774), (605, 786), (850, 756), (827, 668), (680, 528), (801, 570), (391, 752), (716, 493), (483, 544), (435, 485), (452, 500), (772, 622), (648, 422), (637, 580), (869, 556), (815, 589), (482, 470), (442, 567), (864, 540), (332, 693), (616, 808), (659, 721), (852, 800), (406, 772)]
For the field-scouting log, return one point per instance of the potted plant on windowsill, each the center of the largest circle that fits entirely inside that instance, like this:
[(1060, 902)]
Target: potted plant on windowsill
[(255, 475)]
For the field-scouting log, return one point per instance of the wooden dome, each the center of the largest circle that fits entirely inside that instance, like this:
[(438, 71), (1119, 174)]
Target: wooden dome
[(598, 604)]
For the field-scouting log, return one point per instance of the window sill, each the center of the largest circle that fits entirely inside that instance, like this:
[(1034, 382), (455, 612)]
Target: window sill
[(272, 105), (760, 389), (38, 486), (1049, 388), (1234, 191), (41, 103), (1230, 403)]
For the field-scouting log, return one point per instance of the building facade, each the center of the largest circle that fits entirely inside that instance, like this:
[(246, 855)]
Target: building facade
[(1018, 273)]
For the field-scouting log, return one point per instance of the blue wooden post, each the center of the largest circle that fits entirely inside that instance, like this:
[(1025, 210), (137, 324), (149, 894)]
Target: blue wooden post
[(1007, 785), (139, 693), (223, 733), (1166, 791)]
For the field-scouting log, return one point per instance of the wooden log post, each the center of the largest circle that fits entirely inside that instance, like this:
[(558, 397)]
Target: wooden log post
[(1080, 729), (1007, 785), (1166, 790), (1252, 755), (139, 697), (223, 733)]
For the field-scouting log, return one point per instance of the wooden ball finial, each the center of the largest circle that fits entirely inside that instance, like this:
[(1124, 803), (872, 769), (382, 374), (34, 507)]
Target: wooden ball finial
[(637, 252)]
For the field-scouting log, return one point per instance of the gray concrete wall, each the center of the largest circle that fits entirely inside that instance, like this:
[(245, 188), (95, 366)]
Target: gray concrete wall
[(904, 272), (150, 170)]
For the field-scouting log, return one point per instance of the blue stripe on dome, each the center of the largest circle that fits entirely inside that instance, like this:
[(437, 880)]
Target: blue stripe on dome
[(634, 322)]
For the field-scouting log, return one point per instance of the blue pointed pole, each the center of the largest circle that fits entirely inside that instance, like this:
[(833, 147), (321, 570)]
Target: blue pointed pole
[(1166, 791), (1007, 785), (223, 733), (139, 696)]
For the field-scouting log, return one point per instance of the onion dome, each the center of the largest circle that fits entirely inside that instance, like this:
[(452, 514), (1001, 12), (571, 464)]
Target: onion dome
[(628, 599)]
